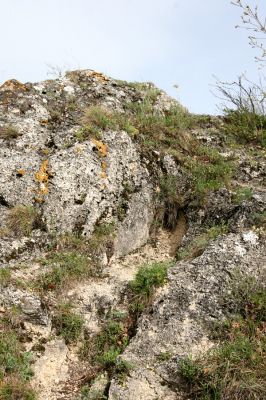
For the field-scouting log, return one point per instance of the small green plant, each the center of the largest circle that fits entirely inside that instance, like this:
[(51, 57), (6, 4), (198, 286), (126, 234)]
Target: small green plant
[(64, 267), (67, 323), (242, 194), (5, 276), (15, 369), (259, 219), (9, 132), (164, 356), (236, 368), (148, 278), (21, 220)]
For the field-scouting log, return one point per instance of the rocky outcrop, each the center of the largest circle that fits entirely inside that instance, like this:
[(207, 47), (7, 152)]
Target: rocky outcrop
[(114, 198), (179, 321)]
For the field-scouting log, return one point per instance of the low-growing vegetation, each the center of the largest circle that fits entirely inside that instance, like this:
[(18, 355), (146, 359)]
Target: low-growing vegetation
[(235, 369), (148, 278), (9, 132), (21, 220), (15, 370), (245, 126), (67, 323), (196, 247), (63, 268), (242, 194)]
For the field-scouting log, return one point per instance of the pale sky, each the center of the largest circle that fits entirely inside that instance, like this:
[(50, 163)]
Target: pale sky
[(168, 42)]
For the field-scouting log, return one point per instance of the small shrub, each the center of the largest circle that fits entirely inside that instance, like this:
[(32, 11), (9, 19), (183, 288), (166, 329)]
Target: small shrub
[(67, 323), (65, 266), (259, 219), (245, 126), (148, 278), (9, 132), (21, 220)]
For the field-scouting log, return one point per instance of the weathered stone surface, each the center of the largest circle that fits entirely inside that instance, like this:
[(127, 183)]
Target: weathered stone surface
[(179, 320)]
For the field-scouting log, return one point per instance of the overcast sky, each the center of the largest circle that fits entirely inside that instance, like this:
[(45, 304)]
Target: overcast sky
[(183, 42)]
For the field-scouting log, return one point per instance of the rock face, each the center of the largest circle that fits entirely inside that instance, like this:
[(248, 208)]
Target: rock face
[(178, 323), (116, 198)]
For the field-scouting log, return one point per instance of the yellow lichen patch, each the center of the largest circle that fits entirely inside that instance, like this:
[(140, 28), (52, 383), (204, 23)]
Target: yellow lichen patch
[(102, 148), (42, 177), (21, 172), (103, 175), (99, 76), (104, 165), (44, 122), (45, 152), (13, 85)]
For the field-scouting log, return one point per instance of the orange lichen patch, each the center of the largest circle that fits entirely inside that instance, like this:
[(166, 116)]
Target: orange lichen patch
[(104, 165), (38, 200), (44, 122), (42, 177), (99, 76), (13, 85), (102, 148), (103, 175), (21, 172)]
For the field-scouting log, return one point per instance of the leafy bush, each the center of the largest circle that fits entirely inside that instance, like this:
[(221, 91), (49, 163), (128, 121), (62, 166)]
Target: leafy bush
[(148, 278)]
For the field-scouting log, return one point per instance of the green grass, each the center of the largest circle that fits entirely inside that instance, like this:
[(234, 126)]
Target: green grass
[(21, 220), (245, 126), (67, 323), (5, 276), (235, 369), (148, 278), (199, 243), (9, 132), (108, 344), (259, 219), (63, 268), (242, 194), (15, 370)]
